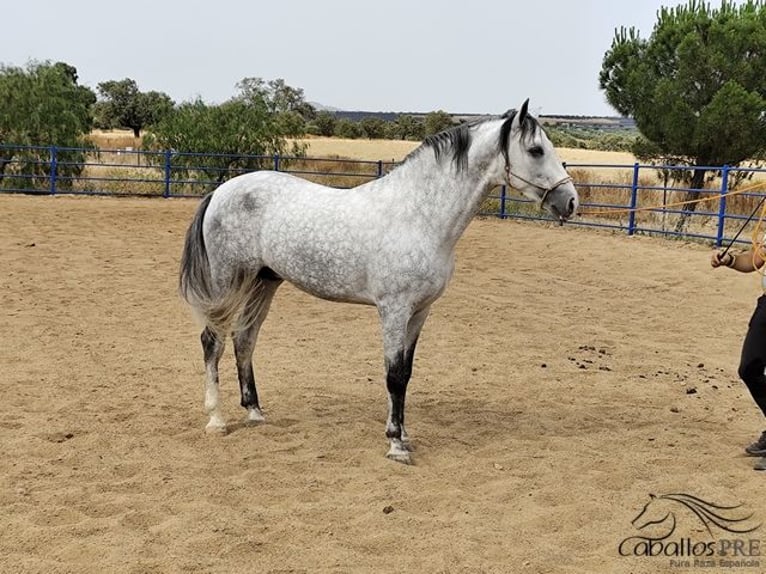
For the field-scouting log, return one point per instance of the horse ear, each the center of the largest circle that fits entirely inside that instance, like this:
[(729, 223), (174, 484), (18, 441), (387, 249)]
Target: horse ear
[(523, 111)]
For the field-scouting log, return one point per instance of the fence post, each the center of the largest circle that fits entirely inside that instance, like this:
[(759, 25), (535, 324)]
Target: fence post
[(503, 197), (722, 206), (276, 162), (166, 193), (633, 201), (54, 168), (380, 168)]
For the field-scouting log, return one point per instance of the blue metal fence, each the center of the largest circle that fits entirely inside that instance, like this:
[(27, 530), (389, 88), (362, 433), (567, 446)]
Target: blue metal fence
[(625, 198), (629, 198)]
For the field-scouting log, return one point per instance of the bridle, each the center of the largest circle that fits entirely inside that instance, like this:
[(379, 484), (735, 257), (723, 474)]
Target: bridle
[(545, 190)]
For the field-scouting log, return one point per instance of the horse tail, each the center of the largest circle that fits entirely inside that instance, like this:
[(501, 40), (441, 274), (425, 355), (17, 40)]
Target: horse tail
[(195, 282), (214, 305)]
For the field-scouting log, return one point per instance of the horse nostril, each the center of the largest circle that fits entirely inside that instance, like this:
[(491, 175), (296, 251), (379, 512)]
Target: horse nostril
[(570, 206)]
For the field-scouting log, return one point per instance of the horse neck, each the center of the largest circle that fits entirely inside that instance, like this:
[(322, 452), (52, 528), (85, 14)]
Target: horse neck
[(442, 195)]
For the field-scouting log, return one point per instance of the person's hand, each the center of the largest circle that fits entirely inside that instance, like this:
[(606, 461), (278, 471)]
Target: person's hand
[(719, 258)]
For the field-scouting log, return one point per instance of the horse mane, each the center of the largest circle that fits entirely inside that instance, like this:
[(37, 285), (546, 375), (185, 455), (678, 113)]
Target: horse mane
[(455, 142)]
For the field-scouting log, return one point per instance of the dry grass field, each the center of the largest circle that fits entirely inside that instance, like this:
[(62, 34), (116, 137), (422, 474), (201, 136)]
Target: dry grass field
[(115, 139), (364, 149), (335, 151), (396, 150), (599, 181), (564, 376)]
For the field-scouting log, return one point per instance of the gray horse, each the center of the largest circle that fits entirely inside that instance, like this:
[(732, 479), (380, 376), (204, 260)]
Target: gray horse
[(389, 243)]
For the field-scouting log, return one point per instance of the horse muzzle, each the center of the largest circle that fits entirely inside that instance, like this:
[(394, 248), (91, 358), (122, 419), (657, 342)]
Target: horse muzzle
[(562, 201)]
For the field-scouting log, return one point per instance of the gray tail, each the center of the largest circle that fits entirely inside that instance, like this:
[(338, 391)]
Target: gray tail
[(214, 305), (195, 281)]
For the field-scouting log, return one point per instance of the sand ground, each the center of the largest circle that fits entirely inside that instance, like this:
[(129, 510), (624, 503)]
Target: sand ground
[(565, 375)]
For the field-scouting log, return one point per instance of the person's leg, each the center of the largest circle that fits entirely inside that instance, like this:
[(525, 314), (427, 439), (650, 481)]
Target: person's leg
[(751, 369)]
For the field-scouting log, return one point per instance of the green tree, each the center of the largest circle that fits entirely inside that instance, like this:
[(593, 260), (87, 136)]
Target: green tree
[(284, 102), (695, 87), (436, 122), (391, 131), (410, 128), (123, 105), (373, 128), (42, 105), (325, 124), (241, 134), (345, 128)]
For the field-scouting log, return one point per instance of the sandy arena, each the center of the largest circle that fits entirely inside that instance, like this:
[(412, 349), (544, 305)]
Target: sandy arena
[(565, 375)]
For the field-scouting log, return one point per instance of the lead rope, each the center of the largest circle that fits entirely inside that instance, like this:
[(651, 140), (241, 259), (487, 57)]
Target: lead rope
[(757, 238), (742, 228), (614, 210)]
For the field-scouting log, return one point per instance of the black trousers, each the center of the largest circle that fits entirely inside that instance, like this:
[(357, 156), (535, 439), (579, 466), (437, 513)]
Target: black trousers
[(753, 360)]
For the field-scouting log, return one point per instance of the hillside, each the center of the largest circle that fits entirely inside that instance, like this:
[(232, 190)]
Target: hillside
[(604, 123)]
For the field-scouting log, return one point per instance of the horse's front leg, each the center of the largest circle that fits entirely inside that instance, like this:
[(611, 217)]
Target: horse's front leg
[(400, 336)]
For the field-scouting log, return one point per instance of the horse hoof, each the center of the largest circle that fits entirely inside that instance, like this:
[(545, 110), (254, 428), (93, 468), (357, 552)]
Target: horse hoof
[(399, 453), (404, 458), (216, 428), (408, 446), (254, 417)]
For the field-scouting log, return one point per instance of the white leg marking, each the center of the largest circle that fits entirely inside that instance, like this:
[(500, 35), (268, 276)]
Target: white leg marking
[(406, 443), (399, 452), (254, 416), (216, 424)]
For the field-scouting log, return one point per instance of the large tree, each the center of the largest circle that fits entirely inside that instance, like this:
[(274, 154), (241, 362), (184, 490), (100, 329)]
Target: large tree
[(42, 105), (240, 134), (695, 87), (123, 105), (285, 103), (324, 123), (409, 128), (437, 121)]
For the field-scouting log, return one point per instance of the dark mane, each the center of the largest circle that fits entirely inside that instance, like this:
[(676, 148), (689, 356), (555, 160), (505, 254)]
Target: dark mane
[(456, 141)]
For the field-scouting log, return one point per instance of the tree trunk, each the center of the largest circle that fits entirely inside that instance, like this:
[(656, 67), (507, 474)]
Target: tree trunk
[(698, 181), (4, 161), (136, 132)]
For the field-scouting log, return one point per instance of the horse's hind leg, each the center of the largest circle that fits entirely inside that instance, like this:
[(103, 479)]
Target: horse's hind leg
[(245, 337), (212, 347)]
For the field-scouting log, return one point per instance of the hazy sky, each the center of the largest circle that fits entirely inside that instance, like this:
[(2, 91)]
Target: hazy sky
[(478, 56)]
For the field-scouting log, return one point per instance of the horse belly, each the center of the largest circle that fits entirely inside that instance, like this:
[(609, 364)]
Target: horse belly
[(320, 240), (330, 270), (329, 282)]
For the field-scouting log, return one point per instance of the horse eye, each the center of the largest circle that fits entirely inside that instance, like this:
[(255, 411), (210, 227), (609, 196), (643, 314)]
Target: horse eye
[(536, 151)]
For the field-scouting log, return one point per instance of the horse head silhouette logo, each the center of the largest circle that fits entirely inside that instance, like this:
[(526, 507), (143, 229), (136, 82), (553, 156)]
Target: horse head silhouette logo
[(659, 515)]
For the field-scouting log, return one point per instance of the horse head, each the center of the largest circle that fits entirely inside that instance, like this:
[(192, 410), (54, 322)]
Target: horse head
[(533, 167)]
